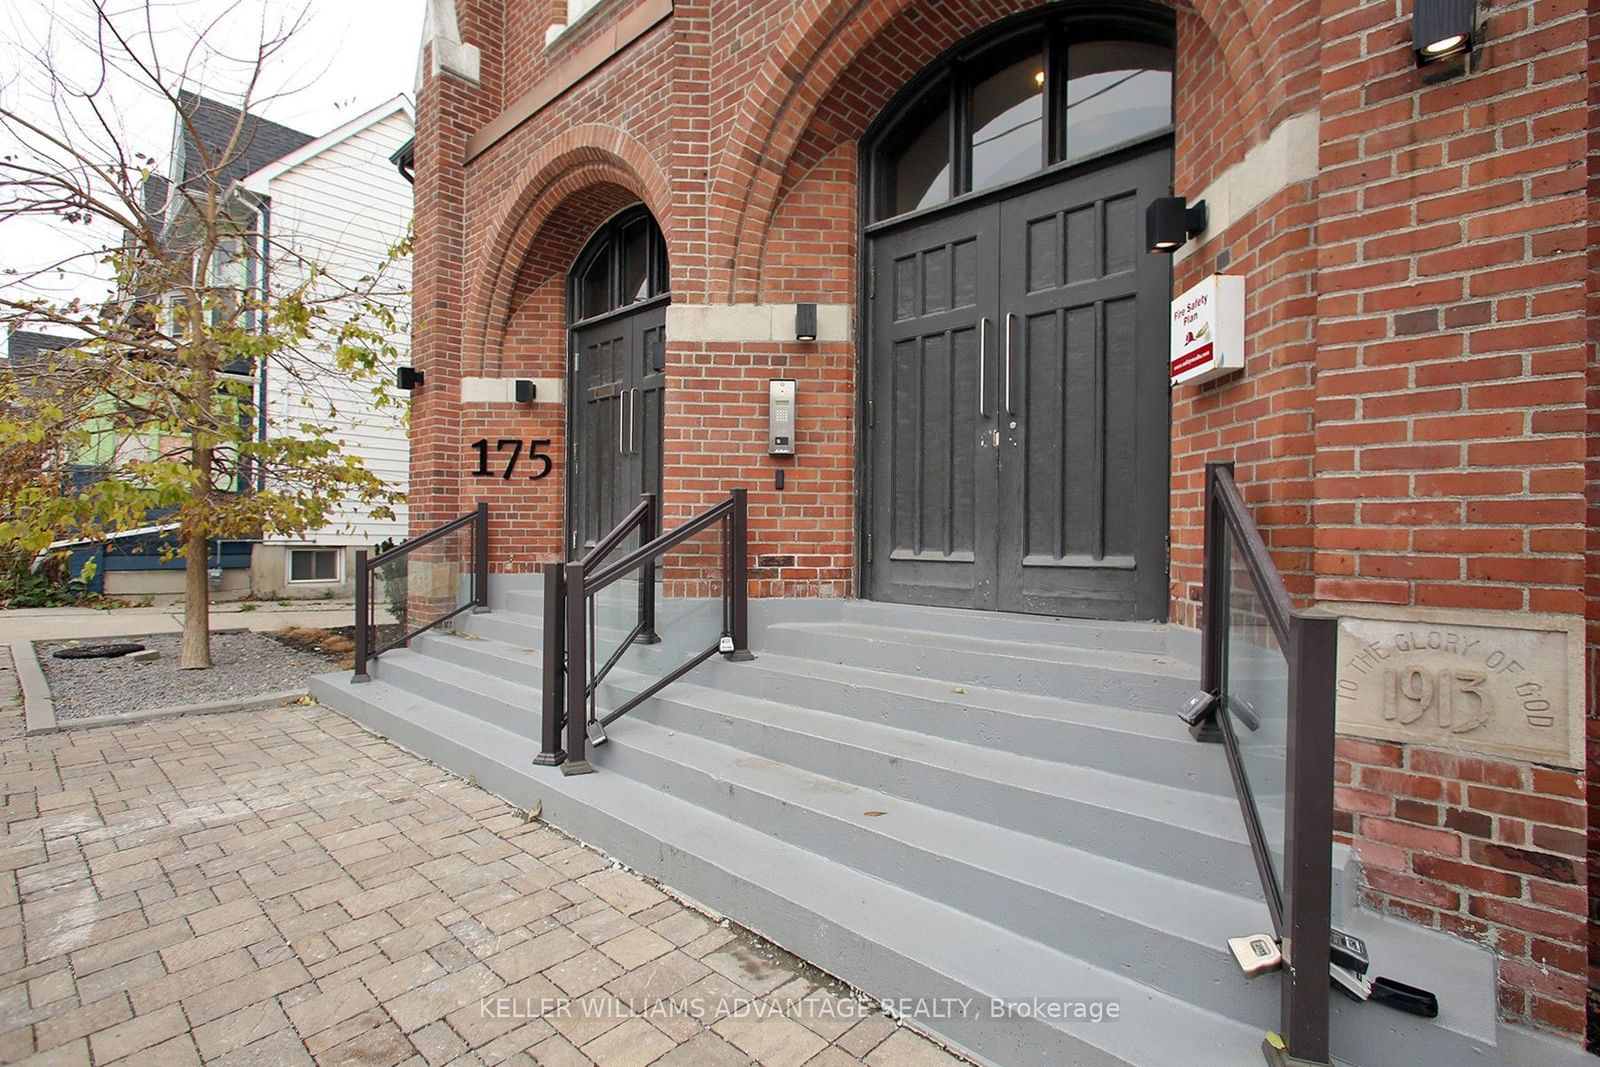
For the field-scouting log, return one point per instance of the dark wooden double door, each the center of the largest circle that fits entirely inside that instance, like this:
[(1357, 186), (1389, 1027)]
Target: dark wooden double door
[(1018, 404), (618, 385)]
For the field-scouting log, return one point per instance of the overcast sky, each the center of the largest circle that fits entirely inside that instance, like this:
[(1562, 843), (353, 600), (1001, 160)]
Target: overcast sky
[(346, 58)]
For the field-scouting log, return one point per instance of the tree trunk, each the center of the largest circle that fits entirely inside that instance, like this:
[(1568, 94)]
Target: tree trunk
[(195, 653)]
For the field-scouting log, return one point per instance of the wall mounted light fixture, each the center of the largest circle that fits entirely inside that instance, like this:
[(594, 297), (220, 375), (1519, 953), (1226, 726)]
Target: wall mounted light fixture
[(1442, 28), (805, 322), (407, 378), (525, 391), (1170, 221)]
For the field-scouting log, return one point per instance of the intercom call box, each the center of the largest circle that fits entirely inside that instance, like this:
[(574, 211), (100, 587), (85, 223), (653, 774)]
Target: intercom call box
[(780, 417)]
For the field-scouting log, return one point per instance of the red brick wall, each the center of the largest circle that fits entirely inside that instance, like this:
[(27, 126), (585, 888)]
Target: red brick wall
[(1261, 421), (1450, 328), (1486, 849), (1449, 441), (1592, 540), (1410, 429), (527, 516), (716, 442)]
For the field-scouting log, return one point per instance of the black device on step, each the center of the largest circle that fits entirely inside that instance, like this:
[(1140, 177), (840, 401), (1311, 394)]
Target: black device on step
[(1348, 951), (1406, 998), (1347, 966), (1198, 707)]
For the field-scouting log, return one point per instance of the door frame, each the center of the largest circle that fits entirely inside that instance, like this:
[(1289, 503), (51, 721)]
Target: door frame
[(660, 262), (1135, 20)]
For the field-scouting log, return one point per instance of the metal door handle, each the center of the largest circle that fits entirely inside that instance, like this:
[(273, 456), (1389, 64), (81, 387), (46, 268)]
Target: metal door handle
[(622, 403), (983, 366), (633, 417), (1009, 317)]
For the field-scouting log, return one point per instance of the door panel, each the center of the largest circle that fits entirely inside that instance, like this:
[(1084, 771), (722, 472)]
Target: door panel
[(1088, 441), (620, 386), (933, 480), (596, 467), (646, 407), (1017, 403)]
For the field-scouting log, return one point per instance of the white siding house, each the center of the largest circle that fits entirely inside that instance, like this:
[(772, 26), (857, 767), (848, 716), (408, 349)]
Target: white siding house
[(339, 203)]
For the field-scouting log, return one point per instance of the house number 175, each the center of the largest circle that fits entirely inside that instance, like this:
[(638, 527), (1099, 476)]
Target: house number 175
[(536, 453)]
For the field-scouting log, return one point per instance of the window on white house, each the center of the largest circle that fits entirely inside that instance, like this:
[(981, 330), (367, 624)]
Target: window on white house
[(178, 315), (229, 279), (313, 564)]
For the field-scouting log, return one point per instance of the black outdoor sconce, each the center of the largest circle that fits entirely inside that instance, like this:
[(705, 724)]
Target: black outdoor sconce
[(1442, 28), (525, 391), (805, 322), (1169, 221), (407, 378)]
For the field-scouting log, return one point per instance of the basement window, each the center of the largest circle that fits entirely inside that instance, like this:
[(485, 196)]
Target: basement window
[(314, 564)]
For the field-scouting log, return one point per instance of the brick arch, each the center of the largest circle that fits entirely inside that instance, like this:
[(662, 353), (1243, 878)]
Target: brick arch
[(823, 38), (583, 158)]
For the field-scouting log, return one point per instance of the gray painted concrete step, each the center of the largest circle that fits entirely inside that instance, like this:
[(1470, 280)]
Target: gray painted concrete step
[(1138, 681), (1145, 682), (1128, 744), (1163, 932), (526, 630), (1175, 831), (740, 786), (995, 625), (888, 941), (1147, 747)]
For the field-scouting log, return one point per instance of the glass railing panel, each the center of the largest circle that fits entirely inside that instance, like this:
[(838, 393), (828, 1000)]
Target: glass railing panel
[(690, 612), (613, 615), (1256, 697), (419, 588)]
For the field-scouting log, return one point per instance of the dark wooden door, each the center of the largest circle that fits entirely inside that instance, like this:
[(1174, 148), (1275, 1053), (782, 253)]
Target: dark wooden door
[(931, 412), (1084, 443), (1017, 402), (618, 392)]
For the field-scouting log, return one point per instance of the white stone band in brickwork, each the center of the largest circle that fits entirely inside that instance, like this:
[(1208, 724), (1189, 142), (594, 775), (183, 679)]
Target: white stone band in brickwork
[(752, 322), (1288, 155)]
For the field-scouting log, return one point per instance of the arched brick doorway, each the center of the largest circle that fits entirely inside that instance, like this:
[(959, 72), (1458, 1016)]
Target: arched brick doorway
[(1015, 415), (617, 296)]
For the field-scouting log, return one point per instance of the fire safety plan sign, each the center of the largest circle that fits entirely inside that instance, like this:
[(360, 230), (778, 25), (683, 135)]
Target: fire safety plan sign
[(1208, 330)]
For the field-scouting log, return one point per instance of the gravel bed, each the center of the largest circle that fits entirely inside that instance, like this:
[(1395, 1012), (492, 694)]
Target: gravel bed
[(243, 665)]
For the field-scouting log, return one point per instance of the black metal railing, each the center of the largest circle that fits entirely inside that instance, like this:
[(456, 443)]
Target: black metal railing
[(410, 599), (572, 678), (1268, 672)]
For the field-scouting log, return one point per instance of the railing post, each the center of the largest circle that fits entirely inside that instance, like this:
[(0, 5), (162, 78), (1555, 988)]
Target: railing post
[(363, 611), (1308, 836), (1213, 602), (577, 673), (550, 753), (649, 531), (480, 558), (738, 577)]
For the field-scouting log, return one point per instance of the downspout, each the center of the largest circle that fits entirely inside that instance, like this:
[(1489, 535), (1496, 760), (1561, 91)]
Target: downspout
[(405, 160), (265, 214)]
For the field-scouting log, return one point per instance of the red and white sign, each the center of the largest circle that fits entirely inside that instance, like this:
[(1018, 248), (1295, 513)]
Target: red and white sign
[(1208, 330)]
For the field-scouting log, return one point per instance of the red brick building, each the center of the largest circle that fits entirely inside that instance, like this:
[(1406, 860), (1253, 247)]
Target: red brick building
[(960, 188)]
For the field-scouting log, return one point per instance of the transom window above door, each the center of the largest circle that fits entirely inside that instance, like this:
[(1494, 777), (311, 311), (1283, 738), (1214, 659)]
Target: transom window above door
[(624, 263), (1044, 94)]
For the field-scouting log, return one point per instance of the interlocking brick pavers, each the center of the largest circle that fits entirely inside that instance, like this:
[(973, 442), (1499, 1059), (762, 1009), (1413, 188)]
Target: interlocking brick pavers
[(283, 887)]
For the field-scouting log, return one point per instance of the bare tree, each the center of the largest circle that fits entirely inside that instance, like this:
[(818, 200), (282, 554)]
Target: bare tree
[(160, 382)]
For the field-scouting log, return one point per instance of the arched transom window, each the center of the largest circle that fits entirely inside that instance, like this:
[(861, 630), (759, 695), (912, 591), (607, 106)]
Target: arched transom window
[(1049, 92), (624, 263)]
